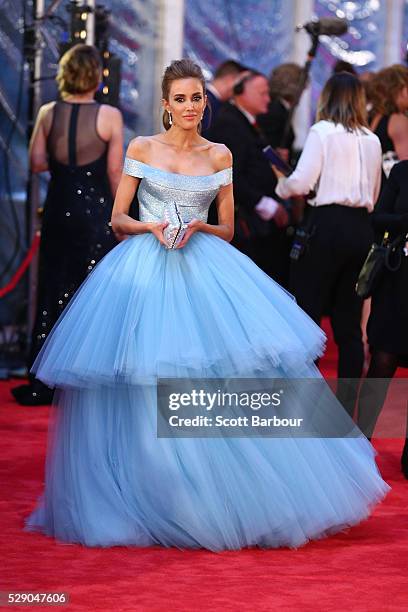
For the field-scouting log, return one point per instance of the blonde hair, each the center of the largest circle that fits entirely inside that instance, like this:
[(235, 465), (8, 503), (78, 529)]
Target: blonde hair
[(343, 101), (180, 69), (385, 86), (79, 70)]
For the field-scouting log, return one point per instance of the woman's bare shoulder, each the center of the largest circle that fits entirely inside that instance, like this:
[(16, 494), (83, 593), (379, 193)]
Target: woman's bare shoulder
[(46, 110), (220, 156), (139, 148), (111, 113), (45, 115), (398, 122)]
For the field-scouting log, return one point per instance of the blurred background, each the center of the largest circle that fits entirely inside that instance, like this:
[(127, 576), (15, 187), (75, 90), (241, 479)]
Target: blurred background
[(137, 39)]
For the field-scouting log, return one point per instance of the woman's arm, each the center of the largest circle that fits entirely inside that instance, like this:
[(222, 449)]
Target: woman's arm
[(122, 223), (398, 132), (113, 118), (38, 143), (249, 194), (225, 209), (304, 178)]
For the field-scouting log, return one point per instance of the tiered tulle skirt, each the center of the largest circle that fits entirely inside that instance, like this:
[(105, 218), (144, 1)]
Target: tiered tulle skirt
[(202, 311)]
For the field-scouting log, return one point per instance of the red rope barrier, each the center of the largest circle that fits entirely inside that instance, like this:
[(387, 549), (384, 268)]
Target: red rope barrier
[(23, 266)]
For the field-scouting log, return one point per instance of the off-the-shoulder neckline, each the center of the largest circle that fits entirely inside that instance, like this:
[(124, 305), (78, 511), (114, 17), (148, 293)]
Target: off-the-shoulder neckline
[(178, 173)]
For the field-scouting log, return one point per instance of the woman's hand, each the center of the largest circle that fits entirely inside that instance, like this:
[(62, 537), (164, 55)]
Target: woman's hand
[(193, 227), (277, 172), (156, 228)]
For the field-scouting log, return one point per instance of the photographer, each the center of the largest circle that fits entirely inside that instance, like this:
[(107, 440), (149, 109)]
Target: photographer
[(341, 160)]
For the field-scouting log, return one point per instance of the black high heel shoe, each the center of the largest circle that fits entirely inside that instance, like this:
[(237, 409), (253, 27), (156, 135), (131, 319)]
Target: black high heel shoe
[(404, 459), (33, 394)]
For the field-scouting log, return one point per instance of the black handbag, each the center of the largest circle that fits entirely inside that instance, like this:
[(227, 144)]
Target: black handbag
[(381, 257)]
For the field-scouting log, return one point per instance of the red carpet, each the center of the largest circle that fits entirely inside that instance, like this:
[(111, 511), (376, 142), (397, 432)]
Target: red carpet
[(363, 569)]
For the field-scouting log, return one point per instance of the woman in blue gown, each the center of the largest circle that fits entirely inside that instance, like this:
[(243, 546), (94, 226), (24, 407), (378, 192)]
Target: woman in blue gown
[(201, 310)]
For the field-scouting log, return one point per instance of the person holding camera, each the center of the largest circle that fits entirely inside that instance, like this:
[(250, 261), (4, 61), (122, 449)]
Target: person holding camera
[(341, 162)]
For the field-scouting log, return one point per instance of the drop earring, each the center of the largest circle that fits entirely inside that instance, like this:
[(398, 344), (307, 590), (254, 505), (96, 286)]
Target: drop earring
[(170, 118)]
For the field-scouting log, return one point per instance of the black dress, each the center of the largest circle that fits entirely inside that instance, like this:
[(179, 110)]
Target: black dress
[(388, 323), (76, 230), (389, 156), (382, 132)]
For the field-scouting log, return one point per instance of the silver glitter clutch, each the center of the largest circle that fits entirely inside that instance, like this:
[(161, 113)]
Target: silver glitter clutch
[(176, 229)]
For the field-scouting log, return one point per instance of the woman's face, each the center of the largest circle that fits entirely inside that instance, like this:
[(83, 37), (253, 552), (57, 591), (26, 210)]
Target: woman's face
[(402, 99), (186, 103)]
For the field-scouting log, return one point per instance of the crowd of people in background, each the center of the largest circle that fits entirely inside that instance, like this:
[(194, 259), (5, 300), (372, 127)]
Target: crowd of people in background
[(354, 152), (349, 186)]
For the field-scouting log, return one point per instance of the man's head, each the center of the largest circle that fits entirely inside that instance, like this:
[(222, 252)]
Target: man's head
[(225, 77), (284, 82), (252, 93)]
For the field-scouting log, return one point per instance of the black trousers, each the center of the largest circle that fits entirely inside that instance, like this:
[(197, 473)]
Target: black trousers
[(323, 281), (270, 253)]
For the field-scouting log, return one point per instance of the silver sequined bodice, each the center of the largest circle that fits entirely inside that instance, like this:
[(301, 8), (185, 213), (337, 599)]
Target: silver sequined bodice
[(193, 194)]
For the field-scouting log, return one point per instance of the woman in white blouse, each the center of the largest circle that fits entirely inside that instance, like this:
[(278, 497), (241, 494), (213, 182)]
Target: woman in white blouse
[(341, 165)]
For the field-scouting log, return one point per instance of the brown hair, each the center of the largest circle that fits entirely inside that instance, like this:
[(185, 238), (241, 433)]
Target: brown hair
[(343, 101), (385, 86), (284, 81), (343, 66), (79, 70), (179, 69), (227, 68)]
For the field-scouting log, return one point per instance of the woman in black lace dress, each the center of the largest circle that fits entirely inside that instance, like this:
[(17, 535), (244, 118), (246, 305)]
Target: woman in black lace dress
[(80, 142)]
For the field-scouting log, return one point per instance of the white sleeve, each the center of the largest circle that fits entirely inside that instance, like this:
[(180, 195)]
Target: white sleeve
[(304, 178), (266, 208)]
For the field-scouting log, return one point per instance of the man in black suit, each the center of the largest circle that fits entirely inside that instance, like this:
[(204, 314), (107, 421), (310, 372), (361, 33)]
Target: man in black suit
[(260, 218), (220, 90)]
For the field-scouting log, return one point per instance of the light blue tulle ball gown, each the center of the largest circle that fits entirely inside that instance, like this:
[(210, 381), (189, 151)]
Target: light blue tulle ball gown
[(205, 310)]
